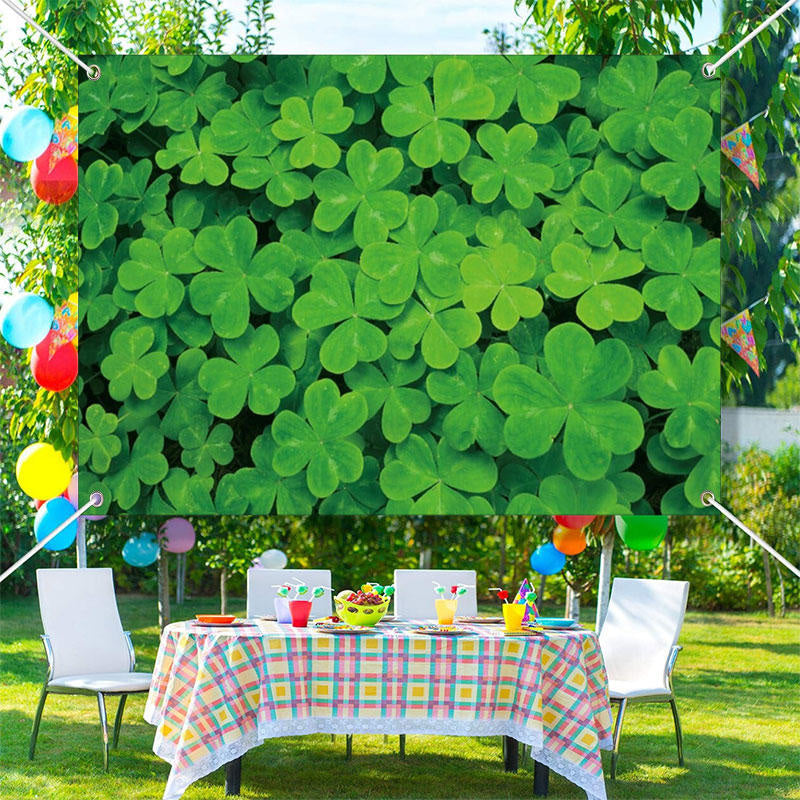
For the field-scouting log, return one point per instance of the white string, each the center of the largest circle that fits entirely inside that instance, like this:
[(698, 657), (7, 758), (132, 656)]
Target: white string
[(752, 305), (92, 70), (709, 69), (747, 122), (707, 499)]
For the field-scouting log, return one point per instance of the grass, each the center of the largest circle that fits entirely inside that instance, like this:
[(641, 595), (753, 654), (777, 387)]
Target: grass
[(736, 681)]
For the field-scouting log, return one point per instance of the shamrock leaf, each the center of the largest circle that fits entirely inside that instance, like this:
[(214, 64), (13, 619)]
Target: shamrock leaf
[(691, 390), (134, 197), (247, 376), (129, 367), (361, 497), (684, 142), (436, 476), (474, 418), (565, 159), (591, 276), (607, 190), (197, 156), (416, 249), (202, 449), (321, 442), (557, 492), (145, 464), (362, 190), (328, 115), (244, 129), (387, 388), (644, 342), (186, 494), (239, 274), (331, 300), (493, 277), (98, 441), (456, 95), (668, 249), (187, 401), (509, 168), (284, 185), (576, 398), (97, 216), (152, 269), (365, 74), (538, 88)]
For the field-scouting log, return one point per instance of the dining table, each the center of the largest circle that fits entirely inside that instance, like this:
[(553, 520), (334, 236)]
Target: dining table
[(219, 691)]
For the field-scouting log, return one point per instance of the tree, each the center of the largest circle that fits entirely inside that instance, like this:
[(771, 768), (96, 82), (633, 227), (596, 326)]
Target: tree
[(786, 393)]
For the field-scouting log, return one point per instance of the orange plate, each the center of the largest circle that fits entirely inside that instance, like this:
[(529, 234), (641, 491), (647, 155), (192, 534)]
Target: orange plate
[(216, 619)]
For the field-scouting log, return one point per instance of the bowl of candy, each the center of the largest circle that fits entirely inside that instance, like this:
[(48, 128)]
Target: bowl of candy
[(366, 606)]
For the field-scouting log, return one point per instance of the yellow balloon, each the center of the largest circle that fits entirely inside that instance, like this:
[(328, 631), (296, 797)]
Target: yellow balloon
[(42, 472)]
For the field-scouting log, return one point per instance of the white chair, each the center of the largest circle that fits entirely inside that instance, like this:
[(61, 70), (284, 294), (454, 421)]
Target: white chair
[(87, 651), (639, 641), (414, 597), (261, 591)]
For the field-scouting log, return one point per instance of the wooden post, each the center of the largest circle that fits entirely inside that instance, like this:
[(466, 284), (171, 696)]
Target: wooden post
[(163, 589), (223, 591)]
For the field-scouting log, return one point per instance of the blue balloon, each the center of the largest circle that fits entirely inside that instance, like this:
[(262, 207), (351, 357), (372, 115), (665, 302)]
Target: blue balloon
[(52, 514), (25, 133), (25, 319), (546, 560), (141, 550)]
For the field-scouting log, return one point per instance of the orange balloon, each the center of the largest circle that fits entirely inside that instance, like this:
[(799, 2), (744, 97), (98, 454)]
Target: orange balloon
[(568, 540)]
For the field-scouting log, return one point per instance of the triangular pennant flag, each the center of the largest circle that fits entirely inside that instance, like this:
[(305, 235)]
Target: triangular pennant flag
[(65, 324), (738, 147), (65, 138), (738, 333), (522, 597)]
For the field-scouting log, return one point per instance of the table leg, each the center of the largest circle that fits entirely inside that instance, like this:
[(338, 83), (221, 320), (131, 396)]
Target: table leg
[(233, 777), (511, 753), (541, 779)]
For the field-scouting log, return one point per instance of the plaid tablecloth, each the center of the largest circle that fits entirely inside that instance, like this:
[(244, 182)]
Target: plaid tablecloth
[(217, 692)]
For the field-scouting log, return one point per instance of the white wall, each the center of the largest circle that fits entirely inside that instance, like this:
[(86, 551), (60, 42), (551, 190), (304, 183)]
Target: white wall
[(767, 427)]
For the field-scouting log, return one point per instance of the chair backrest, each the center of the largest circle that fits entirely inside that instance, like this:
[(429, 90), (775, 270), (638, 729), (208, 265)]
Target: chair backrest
[(641, 627), (81, 620), (261, 593), (414, 597)]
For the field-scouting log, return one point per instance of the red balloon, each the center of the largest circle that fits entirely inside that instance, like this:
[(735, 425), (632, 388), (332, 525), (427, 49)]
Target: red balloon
[(57, 184), (55, 372), (573, 522)]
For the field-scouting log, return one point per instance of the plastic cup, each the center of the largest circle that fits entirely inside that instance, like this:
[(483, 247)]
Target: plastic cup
[(446, 610), (300, 611), (282, 610), (513, 614)]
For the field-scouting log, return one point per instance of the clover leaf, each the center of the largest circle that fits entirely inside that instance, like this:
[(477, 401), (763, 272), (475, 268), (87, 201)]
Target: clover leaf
[(456, 95), (321, 442), (186, 494), (98, 440), (363, 496), (363, 191), (645, 342), (576, 397), (689, 270), (244, 129), (135, 197), (129, 366), (494, 277), (198, 158), (415, 249), (436, 476), (240, 273), (562, 491), (311, 129), (187, 401), (202, 450), (284, 185), (691, 390), (509, 169), (99, 217), (564, 158), (145, 464), (365, 74), (591, 275)]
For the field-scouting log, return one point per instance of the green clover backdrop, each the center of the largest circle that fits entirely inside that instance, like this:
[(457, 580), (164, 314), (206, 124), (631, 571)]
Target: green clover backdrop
[(399, 284)]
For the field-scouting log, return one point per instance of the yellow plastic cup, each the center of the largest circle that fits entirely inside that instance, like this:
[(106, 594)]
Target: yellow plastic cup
[(513, 614), (446, 610)]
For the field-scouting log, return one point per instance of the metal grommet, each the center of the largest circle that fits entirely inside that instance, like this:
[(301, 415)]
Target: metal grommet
[(707, 498), (709, 70), (93, 73)]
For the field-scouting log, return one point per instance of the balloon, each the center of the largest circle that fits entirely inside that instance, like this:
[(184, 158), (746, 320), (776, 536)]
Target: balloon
[(72, 490), (52, 514), (273, 559), (546, 560), (42, 472), (54, 181), (573, 522), (141, 550), (568, 540), (25, 319), (54, 372), (642, 532), (177, 534), (25, 133)]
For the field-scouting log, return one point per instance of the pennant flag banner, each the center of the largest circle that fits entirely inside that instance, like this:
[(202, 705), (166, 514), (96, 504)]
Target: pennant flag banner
[(738, 333), (65, 138), (521, 596), (65, 323), (738, 147)]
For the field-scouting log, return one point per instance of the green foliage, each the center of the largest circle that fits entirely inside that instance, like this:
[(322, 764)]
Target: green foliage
[(360, 284), (786, 393)]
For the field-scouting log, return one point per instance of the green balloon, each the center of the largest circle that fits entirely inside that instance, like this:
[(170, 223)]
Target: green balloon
[(642, 532)]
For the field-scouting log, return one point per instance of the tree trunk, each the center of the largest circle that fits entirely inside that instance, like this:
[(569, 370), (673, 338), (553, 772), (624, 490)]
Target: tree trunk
[(567, 601), (223, 591), (425, 558), (768, 584), (80, 544), (782, 590), (163, 589), (666, 571), (604, 577), (574, 606)]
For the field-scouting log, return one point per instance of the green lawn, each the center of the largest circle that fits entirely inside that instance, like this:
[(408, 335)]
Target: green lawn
[(736, 680)]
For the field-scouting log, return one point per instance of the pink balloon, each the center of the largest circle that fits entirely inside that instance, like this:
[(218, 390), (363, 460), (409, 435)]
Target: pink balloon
[(178, 535), (72, 491)]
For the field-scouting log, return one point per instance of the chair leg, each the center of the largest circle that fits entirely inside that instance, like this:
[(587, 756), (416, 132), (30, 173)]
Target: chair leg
[(101, 707), (402, 745), (348, 753), (678, 733), (118, 720), (36, 720), (617, 734)]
